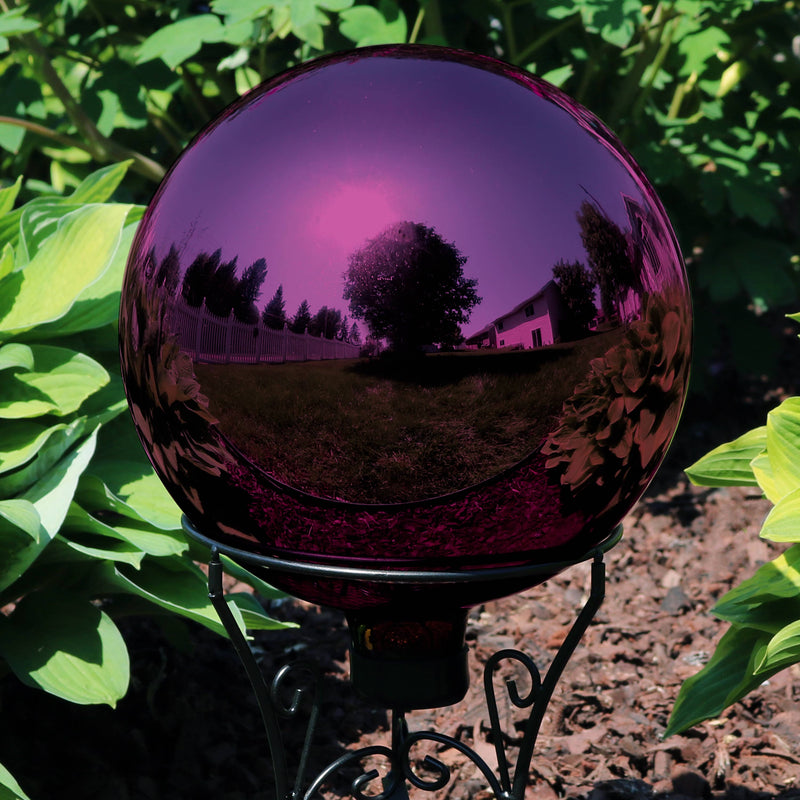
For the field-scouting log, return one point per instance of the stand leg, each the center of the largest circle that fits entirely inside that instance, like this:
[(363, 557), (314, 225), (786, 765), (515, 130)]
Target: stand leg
[(398, 755)]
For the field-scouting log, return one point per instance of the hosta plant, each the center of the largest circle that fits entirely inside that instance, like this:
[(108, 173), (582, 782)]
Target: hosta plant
[(764, 610), (87, 532)]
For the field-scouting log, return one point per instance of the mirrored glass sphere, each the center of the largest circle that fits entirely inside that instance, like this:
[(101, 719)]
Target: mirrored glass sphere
[(405, 308)]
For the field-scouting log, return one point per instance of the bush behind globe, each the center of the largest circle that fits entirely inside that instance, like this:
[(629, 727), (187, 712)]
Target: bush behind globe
[(406, 308)]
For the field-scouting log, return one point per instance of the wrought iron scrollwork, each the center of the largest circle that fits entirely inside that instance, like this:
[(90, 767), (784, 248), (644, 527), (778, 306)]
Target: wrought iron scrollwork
[(508, 784)]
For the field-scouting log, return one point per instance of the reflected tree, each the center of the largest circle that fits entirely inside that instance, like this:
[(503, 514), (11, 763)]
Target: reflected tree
[(326, 322), (576, 284), (222, 287), (168, 272), (302, 318), (354, 334), (408, 285), (198, 277), (274, 313), (607, 251), (248, 289)]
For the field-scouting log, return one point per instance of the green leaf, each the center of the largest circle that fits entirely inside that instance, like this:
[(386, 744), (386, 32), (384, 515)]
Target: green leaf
[(8, 196), (560, 75), (67, 262), (334, 5), (366, 25), (783, 448), (773, 582), (7, 261), (66, 646), (14, 22), (93, 538), (616, 21), (181, 589), (9, 788), (15, 355), (41, 448), (179, 41), (783, 521), (762, 469), (53, 494), (19, 539), (263, 588), (783, 649), (59, 382), (236, 11), (98, 304), (101, 184), (728, 676), (700, 46), (729, 464)]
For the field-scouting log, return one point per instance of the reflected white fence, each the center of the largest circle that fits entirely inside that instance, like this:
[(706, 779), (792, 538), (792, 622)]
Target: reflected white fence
[(215, 340)]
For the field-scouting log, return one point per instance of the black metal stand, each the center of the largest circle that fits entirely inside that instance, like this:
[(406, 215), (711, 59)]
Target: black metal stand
[(508, 784)]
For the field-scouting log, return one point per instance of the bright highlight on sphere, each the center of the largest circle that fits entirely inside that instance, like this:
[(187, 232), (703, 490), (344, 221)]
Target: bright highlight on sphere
[(405, 307)]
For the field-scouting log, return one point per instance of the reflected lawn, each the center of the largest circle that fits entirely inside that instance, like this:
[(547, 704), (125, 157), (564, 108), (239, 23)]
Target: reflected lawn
[(382, 431)]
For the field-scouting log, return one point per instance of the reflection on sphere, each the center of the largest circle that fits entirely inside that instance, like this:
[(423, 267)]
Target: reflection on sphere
[(406, 307)]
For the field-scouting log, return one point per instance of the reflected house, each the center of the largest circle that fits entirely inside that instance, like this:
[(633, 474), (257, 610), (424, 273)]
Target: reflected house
[(535, 322)]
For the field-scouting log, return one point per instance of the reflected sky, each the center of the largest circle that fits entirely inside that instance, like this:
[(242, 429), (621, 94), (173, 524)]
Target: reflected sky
[(308, 175)]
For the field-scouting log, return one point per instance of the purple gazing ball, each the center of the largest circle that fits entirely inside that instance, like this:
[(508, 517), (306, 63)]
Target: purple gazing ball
[(405, 308)]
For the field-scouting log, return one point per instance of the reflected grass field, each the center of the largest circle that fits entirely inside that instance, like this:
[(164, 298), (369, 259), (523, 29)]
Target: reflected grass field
[(378, 431)]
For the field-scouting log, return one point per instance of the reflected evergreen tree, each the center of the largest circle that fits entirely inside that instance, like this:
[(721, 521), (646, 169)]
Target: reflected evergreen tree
[(248, 290), (198, 277), (354, 336), (607, 251), (302, 318), (168, 272), (408, 285), (576, 284), (326, 322), (274, 313), (222, 289)]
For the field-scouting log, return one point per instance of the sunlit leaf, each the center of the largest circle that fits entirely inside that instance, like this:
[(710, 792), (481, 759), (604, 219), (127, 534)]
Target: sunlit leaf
[(9, 788), (69, 261), (179, 41), (782, 650), (776, 580), (729, 464), (65, 645), (725, 679), (783, 447), (59, 382), (8, 195), (783, 521), (366, 25), (98, 304)]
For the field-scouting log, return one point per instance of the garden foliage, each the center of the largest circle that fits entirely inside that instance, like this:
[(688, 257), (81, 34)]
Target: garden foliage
[(764, 610), (87, 532), (699, 90)]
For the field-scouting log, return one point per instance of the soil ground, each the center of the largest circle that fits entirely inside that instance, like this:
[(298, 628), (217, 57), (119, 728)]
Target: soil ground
[(189, 727)]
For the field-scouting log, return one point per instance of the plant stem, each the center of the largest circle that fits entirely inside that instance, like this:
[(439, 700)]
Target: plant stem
[(417, 25), (47, 133), (545, 37), (100, 147)]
